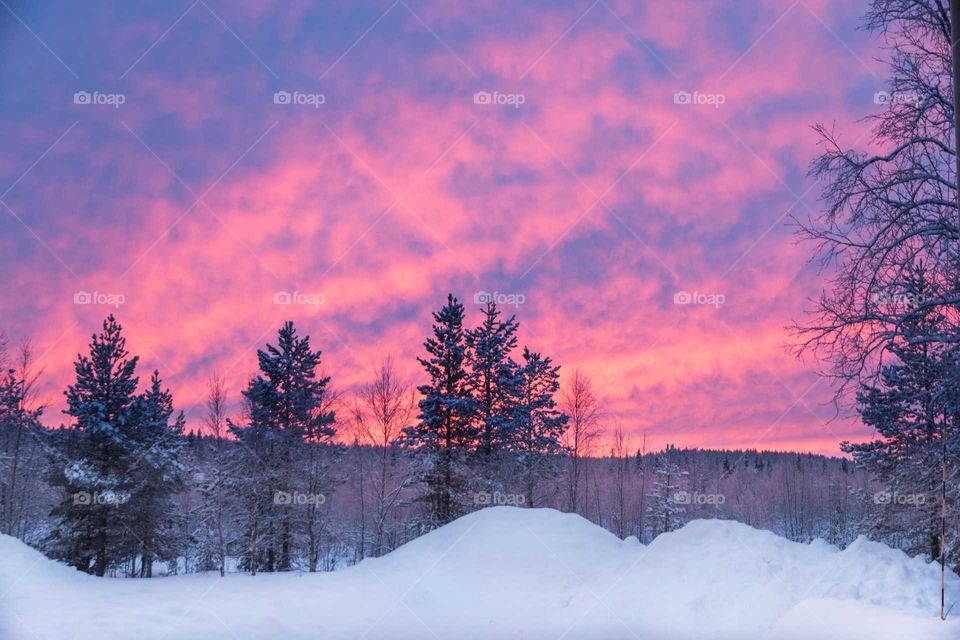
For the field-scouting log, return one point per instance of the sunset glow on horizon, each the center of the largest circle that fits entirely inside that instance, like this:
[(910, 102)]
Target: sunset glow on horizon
[(621, 177)]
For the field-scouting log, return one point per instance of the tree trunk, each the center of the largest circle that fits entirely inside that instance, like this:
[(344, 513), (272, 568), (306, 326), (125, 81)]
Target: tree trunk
[(100, 544)]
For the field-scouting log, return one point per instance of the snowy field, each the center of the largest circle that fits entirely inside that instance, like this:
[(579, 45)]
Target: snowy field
[(509, 573)]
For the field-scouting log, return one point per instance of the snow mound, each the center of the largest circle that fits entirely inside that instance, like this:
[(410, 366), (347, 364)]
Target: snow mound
[(506, 572), (523, 540), (27, 567)]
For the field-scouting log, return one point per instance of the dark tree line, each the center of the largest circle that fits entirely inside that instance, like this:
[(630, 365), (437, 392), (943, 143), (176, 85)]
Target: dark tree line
[(254, 493), (305, 479)]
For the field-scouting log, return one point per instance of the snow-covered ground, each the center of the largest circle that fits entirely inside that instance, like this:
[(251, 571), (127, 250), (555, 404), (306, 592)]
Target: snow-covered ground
[(509, 573)]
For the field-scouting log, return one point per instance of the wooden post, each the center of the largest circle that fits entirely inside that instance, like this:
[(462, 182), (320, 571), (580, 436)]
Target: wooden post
[(943, 516)]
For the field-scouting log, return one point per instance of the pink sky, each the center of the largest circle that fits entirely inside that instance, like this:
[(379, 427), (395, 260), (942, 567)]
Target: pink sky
[(596, 199)]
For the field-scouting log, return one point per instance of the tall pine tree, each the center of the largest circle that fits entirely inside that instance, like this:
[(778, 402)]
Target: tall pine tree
[(90, 461), (494, 382), (289, 424), (539, 424), (445, 427), (155, 476), (915, 404)]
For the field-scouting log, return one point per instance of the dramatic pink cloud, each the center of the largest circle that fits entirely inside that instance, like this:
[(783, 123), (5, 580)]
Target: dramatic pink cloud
[(598, 198)]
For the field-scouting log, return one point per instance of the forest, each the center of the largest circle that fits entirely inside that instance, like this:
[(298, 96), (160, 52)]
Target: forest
[(309, 478)]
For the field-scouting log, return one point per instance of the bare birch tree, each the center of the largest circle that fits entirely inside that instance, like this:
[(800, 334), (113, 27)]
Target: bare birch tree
[(216, 488), (579, 401), (383, 407), (890, 210)]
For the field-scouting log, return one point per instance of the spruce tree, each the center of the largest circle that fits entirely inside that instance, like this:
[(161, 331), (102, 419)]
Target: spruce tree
[(494, 383), (913, 406), (666, 512), (90, 462), (539, 425), (155, 476), (445, 429), (289, 426)]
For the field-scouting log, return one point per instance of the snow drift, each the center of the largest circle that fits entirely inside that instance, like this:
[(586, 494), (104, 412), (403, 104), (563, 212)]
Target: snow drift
[(509, 573)]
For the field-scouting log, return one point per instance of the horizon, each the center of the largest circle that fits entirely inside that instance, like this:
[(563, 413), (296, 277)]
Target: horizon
[(591, 163)]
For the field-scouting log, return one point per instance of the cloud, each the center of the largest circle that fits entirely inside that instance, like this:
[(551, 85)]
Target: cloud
[(597, 196)]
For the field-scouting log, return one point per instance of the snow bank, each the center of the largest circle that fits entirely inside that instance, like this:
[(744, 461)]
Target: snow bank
[(509, 573)]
